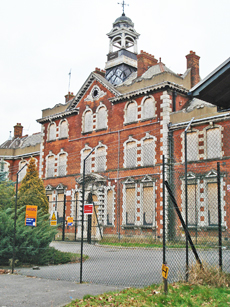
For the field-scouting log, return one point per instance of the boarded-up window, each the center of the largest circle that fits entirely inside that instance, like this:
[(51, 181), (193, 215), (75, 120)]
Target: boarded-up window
[(88, 121), (192, 205), (101, 118), (63, 129), (52, 132), (23, 172), (213, 143), (131, 154), (148, 205), (110, 207), (50, 166), (62, 165), (212, 204), (59, 207), (131, 113), (88, 161), (148, 152), (148, 110), (130, 205), (192, 146), (100, 159)]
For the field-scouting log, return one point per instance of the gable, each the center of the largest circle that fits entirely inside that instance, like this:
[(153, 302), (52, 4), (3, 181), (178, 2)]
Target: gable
[(103, 85)]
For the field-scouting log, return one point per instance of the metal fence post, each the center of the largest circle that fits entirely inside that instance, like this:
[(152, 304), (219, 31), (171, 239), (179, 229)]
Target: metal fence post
[(219, 216), (164, 244), (63, 222)]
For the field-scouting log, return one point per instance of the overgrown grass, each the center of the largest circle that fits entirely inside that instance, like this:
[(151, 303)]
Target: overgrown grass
[(207, 287), (178, 295)]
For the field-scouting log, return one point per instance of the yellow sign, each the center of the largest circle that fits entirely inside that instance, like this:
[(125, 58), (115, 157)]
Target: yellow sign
[(69, 221), (31, 215), (165, 271), (53, 220)]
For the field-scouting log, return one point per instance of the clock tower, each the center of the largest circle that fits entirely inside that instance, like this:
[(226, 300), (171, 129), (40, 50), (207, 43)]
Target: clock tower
[(122, 56)]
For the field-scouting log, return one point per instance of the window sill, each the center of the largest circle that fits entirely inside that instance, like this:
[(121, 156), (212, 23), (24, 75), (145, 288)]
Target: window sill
[(87, 132), (50, 141), (138, 227), (146, 119), (130, 123), (109, 226), (101, 129), (63, 138)]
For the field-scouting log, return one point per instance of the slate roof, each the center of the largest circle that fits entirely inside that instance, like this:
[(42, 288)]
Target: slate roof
[(25, 141)]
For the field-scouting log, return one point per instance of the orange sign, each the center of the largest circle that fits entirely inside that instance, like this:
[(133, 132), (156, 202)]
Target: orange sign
[(31, 215), (69, 221)]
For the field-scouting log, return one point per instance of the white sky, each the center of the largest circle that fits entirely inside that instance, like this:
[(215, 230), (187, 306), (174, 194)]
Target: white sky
[(42, 40)]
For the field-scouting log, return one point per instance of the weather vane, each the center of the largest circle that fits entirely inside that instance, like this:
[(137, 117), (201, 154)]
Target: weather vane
[(123, 6)]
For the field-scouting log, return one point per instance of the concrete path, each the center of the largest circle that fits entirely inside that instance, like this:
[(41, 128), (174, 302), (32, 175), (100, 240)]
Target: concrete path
[(22, 291)]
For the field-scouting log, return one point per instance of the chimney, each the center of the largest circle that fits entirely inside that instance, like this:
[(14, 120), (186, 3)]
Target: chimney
[(18, 131), (100, 71), (69, 96), (193, 63), (144, 61)]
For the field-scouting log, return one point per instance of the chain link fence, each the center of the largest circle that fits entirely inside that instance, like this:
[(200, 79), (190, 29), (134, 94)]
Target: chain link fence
[(123, 238)]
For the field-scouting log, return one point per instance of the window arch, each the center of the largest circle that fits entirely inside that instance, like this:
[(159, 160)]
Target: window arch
[(213, 142), (100, 158), (131, 112), (62, 164), (148, 108), (63, 129), (50, 165), (88, 163), (102, 117), (130, 153), (88, 121), (23, 172), (148, 151), (52, 132)]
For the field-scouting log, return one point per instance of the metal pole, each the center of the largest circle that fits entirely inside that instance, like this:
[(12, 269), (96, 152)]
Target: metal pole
[(15, 217), (82, 219), (219, 216), (186, 195), (164, 245), (186, 202), (63, 222)]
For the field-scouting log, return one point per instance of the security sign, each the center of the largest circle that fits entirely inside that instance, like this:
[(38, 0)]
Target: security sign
[(69, 221), (88, 209), (53, 220), (31, 215), (165, 271)]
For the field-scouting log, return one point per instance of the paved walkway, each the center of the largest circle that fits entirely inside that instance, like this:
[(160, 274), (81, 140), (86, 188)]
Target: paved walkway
[(18, 290)]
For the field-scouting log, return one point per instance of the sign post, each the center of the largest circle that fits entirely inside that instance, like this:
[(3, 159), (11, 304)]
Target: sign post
[(31, 215)]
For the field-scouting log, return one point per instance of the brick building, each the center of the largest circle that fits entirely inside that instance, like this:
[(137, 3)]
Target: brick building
[(127, 115)]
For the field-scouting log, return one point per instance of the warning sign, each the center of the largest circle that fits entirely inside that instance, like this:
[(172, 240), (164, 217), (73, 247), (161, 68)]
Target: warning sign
[(165, 271), (31, 215), (53, 220), (88, 209), (69, 221)]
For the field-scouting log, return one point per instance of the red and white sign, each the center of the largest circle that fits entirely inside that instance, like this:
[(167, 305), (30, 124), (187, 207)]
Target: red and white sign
[(88, 209)]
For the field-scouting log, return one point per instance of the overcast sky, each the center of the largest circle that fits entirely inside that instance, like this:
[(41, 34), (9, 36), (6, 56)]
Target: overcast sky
[(42, 40)]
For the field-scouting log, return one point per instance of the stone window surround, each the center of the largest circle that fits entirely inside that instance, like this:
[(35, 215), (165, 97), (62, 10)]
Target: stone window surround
[(59, 129), (56, 160)]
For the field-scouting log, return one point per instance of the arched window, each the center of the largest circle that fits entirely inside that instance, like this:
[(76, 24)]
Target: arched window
[(100, 159), (148, 108), (23, 172), (62, 165), (148, 152), (131, 154), (213, 143), (88, 162), (131, 112), (88, 121), (63, 129), (52, 132), (102, 118), (50, 166)]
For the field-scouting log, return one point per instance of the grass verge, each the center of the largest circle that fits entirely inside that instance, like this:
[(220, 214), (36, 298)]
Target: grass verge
[(180, 294)]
